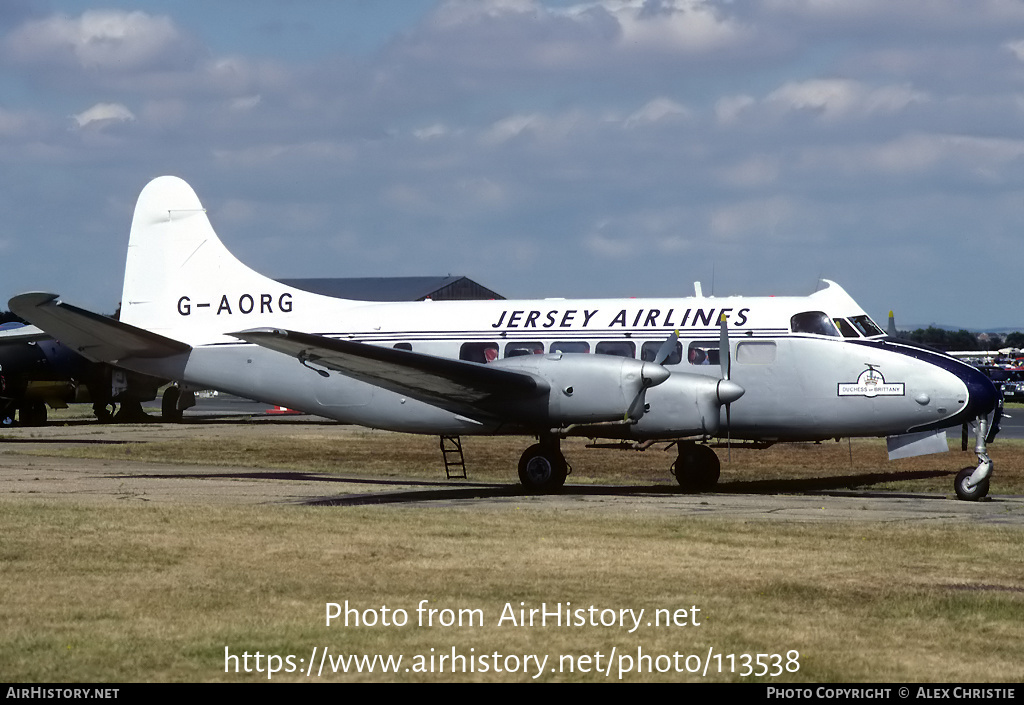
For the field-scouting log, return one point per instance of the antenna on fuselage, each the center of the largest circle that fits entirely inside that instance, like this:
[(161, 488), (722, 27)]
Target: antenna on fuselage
[(696, 290)]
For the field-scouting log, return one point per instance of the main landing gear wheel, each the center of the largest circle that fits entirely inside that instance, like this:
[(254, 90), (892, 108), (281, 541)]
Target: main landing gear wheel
[(32, 413), (969, 494), (697, 468), (542, 468), (169, 410)]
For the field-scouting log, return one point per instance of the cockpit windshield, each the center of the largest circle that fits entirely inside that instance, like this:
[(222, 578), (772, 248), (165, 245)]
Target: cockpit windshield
[(866, 326), (845, 328), (815, 322)]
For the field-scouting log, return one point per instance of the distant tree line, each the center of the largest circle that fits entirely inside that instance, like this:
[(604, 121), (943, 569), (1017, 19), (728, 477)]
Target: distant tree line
[(942, 339)]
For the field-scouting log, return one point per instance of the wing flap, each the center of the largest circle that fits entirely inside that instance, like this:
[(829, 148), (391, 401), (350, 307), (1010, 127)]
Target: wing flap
[(452, 384), (95, 337)]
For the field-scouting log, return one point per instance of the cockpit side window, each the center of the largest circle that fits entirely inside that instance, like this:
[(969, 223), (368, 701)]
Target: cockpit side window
[(815, 322), (866, 326)]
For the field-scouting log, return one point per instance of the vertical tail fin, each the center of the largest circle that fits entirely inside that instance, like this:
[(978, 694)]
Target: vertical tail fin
[(180, 281)]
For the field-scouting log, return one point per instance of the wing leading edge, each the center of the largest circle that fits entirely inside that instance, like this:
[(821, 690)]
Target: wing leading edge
[(450, 384)]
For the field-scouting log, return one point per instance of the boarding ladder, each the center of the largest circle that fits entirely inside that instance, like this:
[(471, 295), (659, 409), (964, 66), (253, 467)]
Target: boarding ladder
[(454, 462)]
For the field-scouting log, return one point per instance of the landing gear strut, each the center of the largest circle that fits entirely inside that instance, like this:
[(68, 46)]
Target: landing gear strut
[(697, 468), (971, 484), (542, 468)]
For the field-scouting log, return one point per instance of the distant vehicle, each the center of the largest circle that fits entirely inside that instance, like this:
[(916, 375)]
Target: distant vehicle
[(37, 372), (1010, 379)]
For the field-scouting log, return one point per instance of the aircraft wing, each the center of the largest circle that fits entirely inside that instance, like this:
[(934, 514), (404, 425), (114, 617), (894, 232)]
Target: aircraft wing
[(95, 337), (457, 385)]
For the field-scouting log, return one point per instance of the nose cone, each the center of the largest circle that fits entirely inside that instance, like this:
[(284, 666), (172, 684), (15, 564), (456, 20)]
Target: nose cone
[(982, 394)]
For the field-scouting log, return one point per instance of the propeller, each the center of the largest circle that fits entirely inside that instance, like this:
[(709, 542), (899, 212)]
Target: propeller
[(651, 374)]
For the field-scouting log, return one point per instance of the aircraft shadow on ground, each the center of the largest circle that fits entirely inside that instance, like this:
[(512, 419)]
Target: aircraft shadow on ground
[(448, 490)]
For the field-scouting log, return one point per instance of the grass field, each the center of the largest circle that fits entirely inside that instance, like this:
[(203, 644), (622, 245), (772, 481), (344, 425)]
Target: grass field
[(134, 591)]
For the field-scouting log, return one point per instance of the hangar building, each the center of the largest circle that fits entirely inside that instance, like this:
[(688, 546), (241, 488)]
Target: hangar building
[(449, 288)]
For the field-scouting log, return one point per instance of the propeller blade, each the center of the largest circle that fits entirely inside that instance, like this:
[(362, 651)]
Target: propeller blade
[(728, 391), (666, 348), (723, 347)]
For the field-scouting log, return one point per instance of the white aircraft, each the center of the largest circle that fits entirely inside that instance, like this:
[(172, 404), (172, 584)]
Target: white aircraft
[(686, 370)]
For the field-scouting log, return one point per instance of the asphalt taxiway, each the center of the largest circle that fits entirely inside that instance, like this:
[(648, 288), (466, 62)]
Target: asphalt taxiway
[(28, 469)]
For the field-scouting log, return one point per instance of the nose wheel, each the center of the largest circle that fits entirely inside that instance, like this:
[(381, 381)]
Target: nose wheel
[(971, 484), (967, 491)]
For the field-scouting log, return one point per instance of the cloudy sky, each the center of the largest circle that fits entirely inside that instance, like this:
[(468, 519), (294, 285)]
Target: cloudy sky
[(541, 147)]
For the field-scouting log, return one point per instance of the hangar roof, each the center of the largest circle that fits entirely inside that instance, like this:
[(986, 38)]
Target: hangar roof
[(396, 288)]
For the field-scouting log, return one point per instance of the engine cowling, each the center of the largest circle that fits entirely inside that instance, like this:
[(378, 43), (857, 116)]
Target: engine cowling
[(688, 405), (587, 388)]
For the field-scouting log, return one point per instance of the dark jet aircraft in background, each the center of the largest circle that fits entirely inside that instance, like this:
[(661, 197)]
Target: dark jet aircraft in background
[(37, 371)]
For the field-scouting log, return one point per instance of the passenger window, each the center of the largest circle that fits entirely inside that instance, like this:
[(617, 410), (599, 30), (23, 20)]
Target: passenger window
[(845, 328), (702, 353), (403, 346), (755, 352), (621, 348), (479, 352), (866, 326), (649, 351), (814, 322), (518, 349), (571, 346)]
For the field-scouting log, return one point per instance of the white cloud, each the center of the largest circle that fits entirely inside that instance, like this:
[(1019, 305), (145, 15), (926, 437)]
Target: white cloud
[(112, 40), (676, 25), (430, 132), (455, 13), (1017, 48), (729, 108), (658, 110), (840, 98), (245, 103), (549, 129), (103, 114), (511, 127)]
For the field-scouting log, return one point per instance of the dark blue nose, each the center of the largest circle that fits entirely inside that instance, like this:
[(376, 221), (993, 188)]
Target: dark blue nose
[(982, 393)]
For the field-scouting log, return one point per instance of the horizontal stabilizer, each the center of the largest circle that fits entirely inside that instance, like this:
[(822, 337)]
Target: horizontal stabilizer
[(451, 384), (96, 337)]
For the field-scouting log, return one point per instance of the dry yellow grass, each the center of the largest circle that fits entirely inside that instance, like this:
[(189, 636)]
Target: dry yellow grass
[(146, 593), (137, 591)]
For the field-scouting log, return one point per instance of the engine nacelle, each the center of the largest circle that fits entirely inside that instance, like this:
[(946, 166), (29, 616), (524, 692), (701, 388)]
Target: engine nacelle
[(587, 388), (687, 404)]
